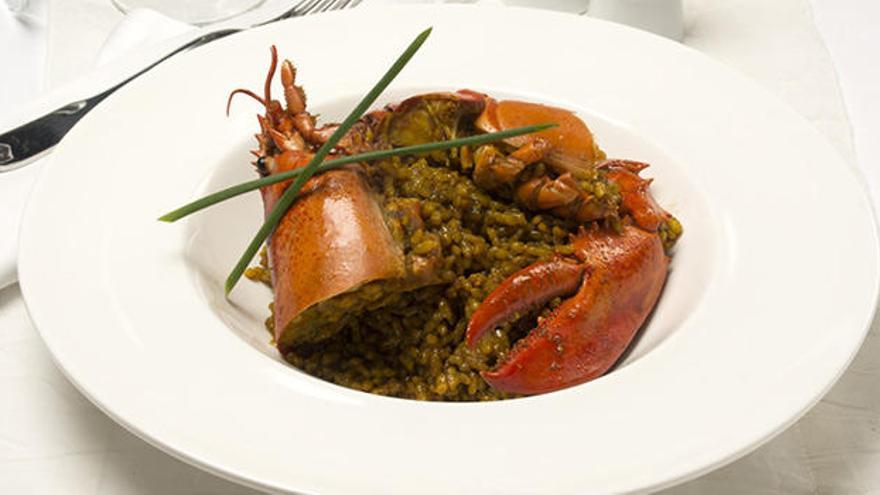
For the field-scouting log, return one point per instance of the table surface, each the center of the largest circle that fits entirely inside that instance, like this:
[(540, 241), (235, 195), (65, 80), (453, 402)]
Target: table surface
[(840, 455)]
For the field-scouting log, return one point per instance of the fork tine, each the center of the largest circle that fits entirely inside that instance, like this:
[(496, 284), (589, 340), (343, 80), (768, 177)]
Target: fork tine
[(331, 5), (307, 9), (318, 7), (347, 4)]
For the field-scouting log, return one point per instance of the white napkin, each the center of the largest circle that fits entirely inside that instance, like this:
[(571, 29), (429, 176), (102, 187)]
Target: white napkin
[(14, 189), (22, 40)]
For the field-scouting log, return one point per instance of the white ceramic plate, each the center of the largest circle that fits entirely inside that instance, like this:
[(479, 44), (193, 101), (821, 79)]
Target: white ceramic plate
[(771, 290)]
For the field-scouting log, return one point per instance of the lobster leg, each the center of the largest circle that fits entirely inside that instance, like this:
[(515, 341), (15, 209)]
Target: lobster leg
[(294, 96), (635, 197), (493, 169), (542, 193), (532, 152), (523, 291), (587, 333)]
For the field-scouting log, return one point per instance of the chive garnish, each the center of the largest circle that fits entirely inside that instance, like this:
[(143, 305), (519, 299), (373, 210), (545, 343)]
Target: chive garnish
[(290, 194), (236, 190)]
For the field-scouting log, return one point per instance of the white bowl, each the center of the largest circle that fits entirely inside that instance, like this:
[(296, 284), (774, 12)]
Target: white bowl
[(771, 291)]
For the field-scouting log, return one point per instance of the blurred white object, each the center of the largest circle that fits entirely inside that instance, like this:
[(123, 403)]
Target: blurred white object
[(663, 17), (191, 11), (140, 27), (17, 6), (571, 6)]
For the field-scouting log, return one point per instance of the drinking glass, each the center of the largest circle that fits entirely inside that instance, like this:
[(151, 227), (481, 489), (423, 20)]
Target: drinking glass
[(198, 12)]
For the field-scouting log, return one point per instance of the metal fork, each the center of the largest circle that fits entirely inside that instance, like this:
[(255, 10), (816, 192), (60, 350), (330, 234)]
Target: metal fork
[(20, 145)]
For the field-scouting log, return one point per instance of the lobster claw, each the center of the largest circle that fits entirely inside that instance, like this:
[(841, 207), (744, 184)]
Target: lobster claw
[(616, 282)]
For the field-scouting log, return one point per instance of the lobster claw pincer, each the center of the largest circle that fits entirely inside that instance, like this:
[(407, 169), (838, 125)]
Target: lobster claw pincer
[(617, 279), (524, 291)]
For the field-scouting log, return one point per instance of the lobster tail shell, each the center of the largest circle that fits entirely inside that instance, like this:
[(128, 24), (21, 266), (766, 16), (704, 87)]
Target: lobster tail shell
[(333, 240)]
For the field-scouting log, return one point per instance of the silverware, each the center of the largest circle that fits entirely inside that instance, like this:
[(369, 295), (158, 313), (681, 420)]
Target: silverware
[(20, 145)]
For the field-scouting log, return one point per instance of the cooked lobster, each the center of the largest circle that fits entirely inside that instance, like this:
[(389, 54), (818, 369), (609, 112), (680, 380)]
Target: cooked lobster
[(335, 241)]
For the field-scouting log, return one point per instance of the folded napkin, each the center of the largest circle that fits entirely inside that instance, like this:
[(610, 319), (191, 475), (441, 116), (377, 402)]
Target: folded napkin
[(14, 189)]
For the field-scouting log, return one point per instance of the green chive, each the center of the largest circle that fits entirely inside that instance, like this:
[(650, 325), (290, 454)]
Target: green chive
[(236, 190), (290, 194)]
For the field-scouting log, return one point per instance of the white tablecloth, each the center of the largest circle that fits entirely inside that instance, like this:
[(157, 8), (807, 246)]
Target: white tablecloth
[(52, 440)]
